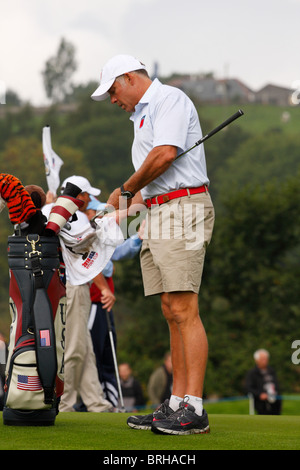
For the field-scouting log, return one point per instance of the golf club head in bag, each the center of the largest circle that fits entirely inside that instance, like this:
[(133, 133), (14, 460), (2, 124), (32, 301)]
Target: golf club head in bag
[(19, 203), (65, 206)]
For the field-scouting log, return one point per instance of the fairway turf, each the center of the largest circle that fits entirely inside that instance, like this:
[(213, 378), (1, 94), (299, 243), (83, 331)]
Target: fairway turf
[(109, 431)]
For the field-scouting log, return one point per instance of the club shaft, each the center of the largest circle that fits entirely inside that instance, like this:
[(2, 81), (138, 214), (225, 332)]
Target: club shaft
[(112, 344), (232, 118)]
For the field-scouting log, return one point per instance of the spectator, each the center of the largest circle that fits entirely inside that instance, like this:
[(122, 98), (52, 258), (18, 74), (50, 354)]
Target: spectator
[(160, 382), (131, 389), (262, 384), (80, 375), (97, 322)]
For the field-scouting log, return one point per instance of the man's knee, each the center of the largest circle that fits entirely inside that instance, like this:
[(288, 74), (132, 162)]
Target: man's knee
[(179, 307), (165, 306)]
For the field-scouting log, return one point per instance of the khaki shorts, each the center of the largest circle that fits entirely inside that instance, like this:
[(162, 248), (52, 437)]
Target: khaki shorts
[(175, 240)]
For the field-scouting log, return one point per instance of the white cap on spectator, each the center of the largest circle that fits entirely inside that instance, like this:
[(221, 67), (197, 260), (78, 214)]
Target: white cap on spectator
[(82, 183)]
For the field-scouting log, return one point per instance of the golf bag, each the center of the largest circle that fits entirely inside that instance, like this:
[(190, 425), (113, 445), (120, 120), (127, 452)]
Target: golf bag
[(35, 363)]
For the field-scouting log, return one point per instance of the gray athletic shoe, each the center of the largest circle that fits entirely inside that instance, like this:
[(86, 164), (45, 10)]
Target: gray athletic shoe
[(182, 422), (145, 421)]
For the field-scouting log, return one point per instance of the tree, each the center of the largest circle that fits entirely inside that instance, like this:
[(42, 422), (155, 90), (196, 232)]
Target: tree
[(58, 72), (12, 98), (250, 292)]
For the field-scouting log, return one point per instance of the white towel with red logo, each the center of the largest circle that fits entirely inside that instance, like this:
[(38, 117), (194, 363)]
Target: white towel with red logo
[(87, 252)]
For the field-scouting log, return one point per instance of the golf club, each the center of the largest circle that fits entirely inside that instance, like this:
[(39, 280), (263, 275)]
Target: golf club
[(232, 118), (115, 360)]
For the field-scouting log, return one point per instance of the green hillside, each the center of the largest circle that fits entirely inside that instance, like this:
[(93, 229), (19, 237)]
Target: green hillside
[(258, 118)]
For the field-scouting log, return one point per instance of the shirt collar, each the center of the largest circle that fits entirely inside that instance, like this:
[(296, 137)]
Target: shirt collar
[(147, 96), (150, 91)]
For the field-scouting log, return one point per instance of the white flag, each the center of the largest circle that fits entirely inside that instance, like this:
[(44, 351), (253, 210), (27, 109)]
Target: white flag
[(52, 162)]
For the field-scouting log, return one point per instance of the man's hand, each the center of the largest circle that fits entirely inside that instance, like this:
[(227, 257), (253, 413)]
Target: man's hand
[(107, 299), (141, 230), (117, 201), (263, 396)]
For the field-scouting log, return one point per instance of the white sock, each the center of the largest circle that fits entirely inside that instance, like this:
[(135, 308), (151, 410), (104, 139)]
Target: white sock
[(175, 402), (196, 402)]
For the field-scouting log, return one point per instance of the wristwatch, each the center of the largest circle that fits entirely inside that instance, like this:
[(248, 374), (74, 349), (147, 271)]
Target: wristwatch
[(126, 194)]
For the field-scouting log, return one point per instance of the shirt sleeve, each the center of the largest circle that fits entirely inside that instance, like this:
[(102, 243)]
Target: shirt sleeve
[(128, 249)]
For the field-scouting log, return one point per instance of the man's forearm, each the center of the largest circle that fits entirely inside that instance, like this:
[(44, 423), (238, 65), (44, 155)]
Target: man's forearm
[(157, 162)]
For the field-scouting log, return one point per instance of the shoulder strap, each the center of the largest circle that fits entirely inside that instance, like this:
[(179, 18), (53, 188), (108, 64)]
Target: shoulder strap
[(43, 326)]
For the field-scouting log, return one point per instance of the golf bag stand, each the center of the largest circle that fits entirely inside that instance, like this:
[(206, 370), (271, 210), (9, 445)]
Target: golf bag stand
[(35, 363)]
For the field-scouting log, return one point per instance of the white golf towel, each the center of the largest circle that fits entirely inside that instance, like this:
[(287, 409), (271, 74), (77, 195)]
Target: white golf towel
[(87, 253)]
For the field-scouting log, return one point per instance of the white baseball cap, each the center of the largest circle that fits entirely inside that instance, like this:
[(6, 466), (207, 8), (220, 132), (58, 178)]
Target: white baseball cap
[(116, 66), (82, 183)]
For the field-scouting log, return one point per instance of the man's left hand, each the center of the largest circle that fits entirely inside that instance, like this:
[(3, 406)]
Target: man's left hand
[(117, 201)]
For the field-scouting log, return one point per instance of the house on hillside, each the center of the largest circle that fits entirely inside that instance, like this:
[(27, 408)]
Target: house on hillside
[(273, 94), (236, 91), (207, 89)]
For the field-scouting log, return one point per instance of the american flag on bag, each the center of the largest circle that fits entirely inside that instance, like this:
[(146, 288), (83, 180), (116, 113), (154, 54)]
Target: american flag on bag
[(31, 383), (45, 338)]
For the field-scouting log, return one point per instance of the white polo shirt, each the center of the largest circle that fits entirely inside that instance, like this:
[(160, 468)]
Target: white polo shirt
[(166, 116)]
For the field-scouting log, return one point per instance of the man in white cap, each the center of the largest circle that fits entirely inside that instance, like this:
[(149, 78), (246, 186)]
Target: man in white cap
[(86, 189), (80, 374), (166, 124)]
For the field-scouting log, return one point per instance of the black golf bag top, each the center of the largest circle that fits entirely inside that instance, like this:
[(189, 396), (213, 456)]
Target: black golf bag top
[(35, 363)]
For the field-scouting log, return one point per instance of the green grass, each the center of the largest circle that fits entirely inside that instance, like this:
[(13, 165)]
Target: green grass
[(240, 405), (109, 431)]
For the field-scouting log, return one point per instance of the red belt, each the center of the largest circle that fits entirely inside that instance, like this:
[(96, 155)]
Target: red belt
[(162, 198)]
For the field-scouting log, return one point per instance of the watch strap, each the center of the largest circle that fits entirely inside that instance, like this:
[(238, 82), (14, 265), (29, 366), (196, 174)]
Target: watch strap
[(125, 192)]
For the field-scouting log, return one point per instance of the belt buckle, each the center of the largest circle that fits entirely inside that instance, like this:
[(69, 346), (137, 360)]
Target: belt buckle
[(165, 198)]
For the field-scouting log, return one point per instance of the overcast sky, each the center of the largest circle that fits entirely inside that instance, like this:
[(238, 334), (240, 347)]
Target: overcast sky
[(257, 41)]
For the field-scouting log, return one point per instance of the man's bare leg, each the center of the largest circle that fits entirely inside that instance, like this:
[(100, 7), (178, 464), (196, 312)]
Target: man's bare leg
[(188, 342), (188, 345)]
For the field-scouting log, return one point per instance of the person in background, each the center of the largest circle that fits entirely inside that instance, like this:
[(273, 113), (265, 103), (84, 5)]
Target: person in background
[(160, 382), (97, 320), (132, 392), (81, 377), (262, 384)]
